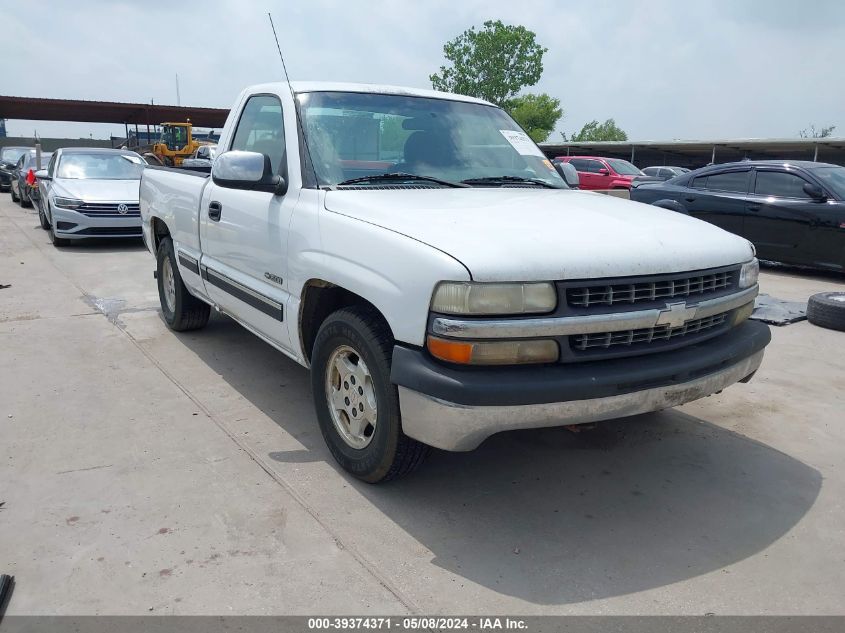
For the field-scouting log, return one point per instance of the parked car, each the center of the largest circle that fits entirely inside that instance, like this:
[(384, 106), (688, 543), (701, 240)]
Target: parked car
[(201, 159), (596, 172), (88, 192), (792, 211), (9, 157), (664, 172), (24, 187), (454, 289)]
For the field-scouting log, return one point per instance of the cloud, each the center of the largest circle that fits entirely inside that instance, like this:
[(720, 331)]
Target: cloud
[(662, 69)]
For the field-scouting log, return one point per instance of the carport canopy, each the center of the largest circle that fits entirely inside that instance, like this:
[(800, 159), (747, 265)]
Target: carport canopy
[(694, 154)]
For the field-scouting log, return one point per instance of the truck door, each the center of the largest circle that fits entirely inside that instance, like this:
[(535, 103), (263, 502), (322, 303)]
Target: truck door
[(781, 216), (245, 233)]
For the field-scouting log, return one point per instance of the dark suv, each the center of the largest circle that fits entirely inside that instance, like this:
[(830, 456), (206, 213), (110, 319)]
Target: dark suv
[(8, 159), (792, 211)]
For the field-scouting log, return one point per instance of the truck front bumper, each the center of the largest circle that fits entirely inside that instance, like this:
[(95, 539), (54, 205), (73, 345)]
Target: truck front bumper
[(457, 408)]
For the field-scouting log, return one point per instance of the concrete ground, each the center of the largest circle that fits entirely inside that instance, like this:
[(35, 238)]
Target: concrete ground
[(148, 472)]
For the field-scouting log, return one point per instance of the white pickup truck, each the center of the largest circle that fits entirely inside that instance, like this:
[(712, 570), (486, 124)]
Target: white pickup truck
[(421, 255)]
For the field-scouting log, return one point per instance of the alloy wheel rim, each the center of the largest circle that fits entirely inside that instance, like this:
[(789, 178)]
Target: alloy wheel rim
[(351, 397), (169, 285)]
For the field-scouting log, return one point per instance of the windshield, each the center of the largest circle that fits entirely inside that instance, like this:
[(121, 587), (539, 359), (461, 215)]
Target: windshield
[(624, 168), (354, 135), (101, 166), (30, 160), (175, 137), (12, 154), (833, 178)]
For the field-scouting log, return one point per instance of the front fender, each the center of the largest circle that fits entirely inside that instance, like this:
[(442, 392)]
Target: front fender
[(395, 273)]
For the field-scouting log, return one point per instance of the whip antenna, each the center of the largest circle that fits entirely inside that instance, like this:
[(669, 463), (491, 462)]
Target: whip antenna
[(282, 57), (293, 97)]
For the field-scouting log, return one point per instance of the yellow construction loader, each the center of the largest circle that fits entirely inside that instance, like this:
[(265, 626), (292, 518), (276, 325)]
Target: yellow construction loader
[(175, 144)]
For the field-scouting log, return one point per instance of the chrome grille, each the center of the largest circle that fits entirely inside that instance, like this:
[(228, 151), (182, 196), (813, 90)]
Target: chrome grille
[(645, 336), (108, 209), (666, 288)]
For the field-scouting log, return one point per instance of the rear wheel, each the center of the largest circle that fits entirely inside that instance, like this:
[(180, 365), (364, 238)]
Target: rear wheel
[(26, 201), (14, 195), (357, 405), (181, 310)]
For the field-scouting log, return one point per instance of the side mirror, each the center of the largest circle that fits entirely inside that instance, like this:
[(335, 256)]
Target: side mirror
[(569, 174), (603, 172), (42, 174), (247, 170), (815, 192)]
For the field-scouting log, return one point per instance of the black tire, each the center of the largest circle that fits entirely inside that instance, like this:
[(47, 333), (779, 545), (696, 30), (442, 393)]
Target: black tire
[(390, 453), (42, 217), (188, 313), (827, 309), (58, 242), (26, 201), (14, 195)]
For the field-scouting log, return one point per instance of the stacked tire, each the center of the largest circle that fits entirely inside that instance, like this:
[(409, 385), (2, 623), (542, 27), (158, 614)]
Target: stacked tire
[(827, 309)]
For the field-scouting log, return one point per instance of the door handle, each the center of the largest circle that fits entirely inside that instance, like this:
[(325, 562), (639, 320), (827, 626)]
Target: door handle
[(214, 211), (753, 207), (690, 198)]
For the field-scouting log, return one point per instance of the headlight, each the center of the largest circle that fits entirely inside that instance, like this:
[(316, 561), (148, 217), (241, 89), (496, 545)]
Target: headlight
[(493, 353), (749, 273), (455, 297), (67, 203)]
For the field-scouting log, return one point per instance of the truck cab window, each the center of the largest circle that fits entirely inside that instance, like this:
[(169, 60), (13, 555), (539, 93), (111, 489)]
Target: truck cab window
[(261, 129)]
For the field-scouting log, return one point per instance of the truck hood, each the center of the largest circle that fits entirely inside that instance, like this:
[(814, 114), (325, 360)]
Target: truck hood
[(536, 234), (92, 190)]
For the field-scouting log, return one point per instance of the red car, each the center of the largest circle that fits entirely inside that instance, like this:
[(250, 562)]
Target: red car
[(596, 172)]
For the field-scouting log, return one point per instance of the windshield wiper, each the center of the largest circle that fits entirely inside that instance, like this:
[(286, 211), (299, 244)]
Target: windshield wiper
[(504, 180), (396, 176)]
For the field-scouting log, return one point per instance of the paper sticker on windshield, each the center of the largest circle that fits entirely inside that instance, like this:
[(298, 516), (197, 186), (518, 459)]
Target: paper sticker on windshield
[(522, 143)]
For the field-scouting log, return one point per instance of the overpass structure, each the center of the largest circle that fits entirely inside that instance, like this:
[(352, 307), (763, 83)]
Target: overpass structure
[(137, 114)]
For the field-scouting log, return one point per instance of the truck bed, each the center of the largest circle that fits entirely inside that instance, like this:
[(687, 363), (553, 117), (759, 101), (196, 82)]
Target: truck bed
[(174, 195)]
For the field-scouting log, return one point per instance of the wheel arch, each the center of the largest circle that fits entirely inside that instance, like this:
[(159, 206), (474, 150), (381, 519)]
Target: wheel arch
[(319, 299), (158, 231), (671, 205)]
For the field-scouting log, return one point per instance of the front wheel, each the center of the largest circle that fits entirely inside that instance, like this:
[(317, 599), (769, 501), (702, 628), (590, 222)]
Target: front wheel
[(42, 217), (58, 242), (357, 405), (181, 310)]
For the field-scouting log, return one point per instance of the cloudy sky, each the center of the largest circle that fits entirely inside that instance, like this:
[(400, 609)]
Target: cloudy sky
[(664, 69)]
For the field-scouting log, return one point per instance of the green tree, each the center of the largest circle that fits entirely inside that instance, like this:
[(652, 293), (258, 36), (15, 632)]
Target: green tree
[(812, 132), (595, 131), (536, 113), (494, 63)]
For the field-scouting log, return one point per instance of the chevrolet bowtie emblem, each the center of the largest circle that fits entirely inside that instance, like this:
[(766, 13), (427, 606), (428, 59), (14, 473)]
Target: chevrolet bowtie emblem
[(676, 314)]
